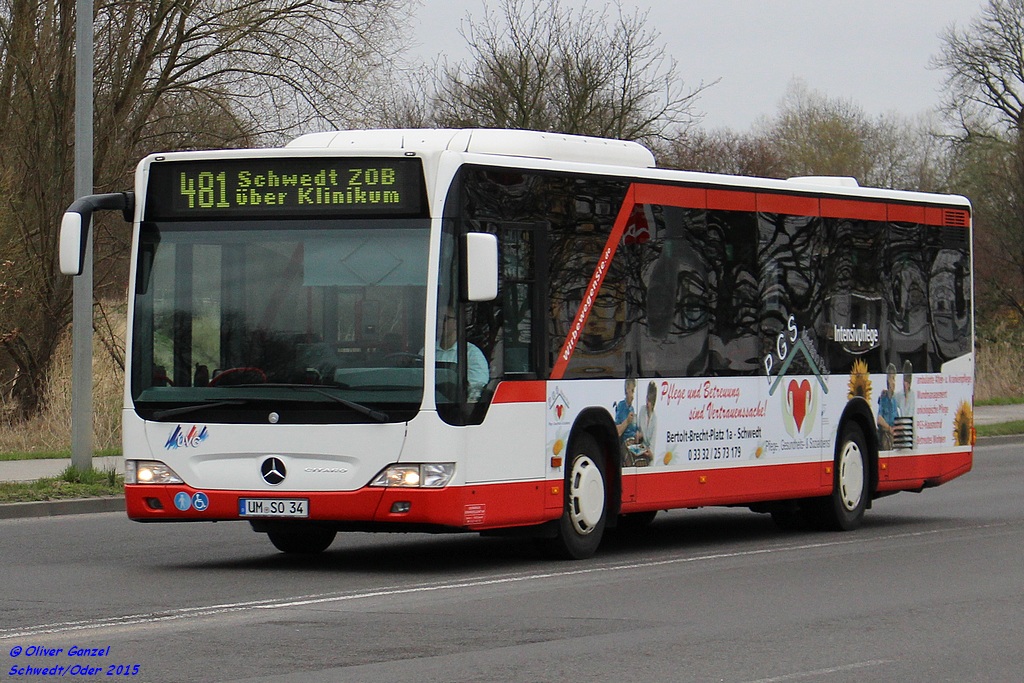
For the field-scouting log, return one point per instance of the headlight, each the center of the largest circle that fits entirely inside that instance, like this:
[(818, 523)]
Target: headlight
[(149, 472), (433, 475)]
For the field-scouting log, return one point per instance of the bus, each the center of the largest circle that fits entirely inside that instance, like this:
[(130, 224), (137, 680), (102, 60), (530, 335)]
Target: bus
[(517, 332)]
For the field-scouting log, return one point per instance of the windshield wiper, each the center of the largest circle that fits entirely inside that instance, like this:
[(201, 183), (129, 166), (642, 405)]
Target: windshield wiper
[(183, 410), (321, 389), (352, 405)]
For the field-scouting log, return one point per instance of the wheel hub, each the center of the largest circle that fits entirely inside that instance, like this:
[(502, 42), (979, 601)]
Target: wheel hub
[(851, 476), (586, 495)]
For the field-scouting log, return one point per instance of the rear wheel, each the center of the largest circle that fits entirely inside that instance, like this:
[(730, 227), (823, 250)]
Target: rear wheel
[(586, 504), (844, 509), (301, 541)]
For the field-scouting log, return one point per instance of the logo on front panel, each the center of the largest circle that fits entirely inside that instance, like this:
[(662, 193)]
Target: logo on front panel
[(273, 471), (179, 438)]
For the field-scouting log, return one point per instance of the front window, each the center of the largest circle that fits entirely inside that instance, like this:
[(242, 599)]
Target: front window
[(304, 321)]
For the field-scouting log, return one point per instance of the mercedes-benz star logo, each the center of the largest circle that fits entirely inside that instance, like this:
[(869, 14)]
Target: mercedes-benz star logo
[(273, 471)]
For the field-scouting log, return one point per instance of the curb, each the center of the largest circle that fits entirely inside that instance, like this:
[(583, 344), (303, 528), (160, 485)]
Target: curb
[(53, 508)]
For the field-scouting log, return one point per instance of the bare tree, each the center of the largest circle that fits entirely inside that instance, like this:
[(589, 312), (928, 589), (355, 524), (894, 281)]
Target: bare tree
[(723, 151), (817, 135), (537, 64), (812, 134), (984, 65), (169, 74)]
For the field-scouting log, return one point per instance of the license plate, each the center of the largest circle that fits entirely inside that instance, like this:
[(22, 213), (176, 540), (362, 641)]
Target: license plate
[(273, 507)]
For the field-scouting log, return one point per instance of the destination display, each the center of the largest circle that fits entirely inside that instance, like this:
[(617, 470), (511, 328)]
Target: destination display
[(224, 188)]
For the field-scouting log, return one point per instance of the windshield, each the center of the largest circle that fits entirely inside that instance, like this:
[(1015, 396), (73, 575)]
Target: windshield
[(233, 319)]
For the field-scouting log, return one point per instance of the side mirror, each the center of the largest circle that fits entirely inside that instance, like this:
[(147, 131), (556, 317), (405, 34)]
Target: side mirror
[(481, 266), (72, 244), (74, 226)]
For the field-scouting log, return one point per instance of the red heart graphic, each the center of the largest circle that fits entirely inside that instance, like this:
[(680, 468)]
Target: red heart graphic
[(558, 410), (798, 399)]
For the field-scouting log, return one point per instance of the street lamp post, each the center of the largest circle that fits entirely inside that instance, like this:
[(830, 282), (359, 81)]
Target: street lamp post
[(81, 326)]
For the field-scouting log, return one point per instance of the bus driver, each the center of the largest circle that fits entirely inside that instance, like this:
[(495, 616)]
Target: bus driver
[(446, 351)]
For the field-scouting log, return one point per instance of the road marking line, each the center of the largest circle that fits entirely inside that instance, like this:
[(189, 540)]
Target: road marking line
[(322, 598), (823, 672)]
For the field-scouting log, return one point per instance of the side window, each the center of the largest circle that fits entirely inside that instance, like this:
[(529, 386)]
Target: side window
[(508, 330), (949, 292), (679, 288), (522, 256), (791, 280), (582, 221), (462, 370), (694, 280), (906, 290), (855, 294), (446, 374), (735, 349)]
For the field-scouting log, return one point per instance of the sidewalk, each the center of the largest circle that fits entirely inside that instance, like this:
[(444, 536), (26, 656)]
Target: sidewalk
[(990, 415), (30, 470)]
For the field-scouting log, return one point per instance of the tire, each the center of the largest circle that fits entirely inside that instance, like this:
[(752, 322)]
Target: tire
[(844, 509), (583, 520), (303, 540)]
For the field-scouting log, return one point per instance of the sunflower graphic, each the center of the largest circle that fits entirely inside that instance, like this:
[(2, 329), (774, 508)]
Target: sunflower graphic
[(962, 424), (860, 381)]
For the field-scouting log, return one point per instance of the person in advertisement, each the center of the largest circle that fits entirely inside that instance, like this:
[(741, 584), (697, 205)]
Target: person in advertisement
[(905, 405), (637, 432), (625, 415), (905, 401), (648, 428), (888, 411)]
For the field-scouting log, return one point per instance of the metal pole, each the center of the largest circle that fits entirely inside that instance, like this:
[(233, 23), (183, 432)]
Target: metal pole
[(81, 326)]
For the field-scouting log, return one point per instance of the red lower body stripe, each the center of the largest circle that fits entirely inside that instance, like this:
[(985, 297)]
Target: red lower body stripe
[(912, 472), (511, 504), (473, 507)]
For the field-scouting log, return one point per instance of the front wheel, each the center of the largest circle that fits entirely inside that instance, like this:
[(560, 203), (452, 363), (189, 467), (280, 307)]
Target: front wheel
[(301, 541), (586, 503)]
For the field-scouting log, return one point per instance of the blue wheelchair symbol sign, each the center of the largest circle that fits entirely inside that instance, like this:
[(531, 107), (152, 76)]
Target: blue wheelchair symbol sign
[(200, 501), (182, 501)]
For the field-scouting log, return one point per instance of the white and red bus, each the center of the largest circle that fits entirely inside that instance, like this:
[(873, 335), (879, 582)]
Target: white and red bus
[(522, 332)]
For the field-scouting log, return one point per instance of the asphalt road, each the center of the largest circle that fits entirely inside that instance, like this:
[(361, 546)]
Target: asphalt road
[(930, 589)]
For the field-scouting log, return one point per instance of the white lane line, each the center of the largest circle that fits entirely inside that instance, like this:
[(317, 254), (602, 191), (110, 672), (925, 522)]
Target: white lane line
[(823, 672), (321, 598)]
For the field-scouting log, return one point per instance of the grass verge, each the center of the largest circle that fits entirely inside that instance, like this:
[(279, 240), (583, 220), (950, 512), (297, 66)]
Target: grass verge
[(71, 483), (55, 455), (1006, 401), (1001, 429)]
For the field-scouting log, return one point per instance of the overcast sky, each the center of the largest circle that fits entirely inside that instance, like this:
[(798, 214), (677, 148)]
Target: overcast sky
[(873, 52)]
